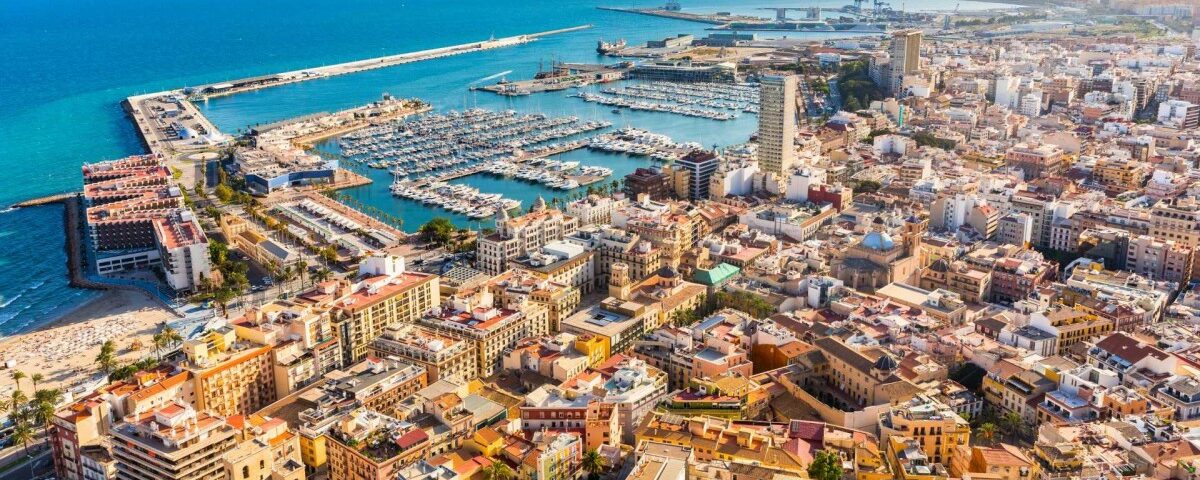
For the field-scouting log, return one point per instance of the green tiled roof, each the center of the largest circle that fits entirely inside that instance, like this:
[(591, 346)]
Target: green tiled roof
[(715, 275)]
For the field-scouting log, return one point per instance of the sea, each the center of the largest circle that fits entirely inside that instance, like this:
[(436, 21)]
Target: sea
[(67, 64)]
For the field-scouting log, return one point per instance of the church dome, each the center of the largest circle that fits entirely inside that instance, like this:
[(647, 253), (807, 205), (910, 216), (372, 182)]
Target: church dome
[(885, 363), (940, 265), (878, 241)]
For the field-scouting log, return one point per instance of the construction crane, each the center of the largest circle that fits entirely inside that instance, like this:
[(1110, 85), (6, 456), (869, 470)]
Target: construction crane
[(781, 12), (858, 5)]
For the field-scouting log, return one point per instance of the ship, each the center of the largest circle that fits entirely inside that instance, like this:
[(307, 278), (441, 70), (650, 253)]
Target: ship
[(605, 48)]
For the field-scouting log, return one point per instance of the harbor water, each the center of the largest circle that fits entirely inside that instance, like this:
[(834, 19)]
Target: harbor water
[(68, 64)]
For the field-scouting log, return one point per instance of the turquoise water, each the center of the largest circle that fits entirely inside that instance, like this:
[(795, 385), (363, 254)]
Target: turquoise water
[(67, 64)]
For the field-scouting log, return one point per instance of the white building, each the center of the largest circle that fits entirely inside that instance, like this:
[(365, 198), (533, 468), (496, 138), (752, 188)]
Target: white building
[(800, 180), (1179, 114)]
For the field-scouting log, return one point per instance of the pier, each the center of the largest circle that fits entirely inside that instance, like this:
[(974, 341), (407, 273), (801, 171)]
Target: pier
[(712, 19), (219, 89), (47, 200)]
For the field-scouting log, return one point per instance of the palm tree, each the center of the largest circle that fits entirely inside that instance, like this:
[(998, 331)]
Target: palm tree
[(171, 335), (17, 376), (44, 403), (22, 433), (159, 344), (16, 403), (497, 471), (222, 297), (986, 432), (107, 358), (37, 377), (302, 268), (593, 463), (321, 275)]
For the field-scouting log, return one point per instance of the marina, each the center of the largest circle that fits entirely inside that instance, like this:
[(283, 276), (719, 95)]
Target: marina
[(663, 107), (637, 142), (459, 138), (740, 97)]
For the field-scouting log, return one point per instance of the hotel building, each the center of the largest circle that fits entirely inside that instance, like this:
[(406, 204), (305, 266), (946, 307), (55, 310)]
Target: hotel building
[(174, 442), (384, 295), (442, 356), (137, 219), (515, 237)]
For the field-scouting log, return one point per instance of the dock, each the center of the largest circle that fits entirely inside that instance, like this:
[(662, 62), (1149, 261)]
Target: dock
[(47, 200), (711, 19), (204, 92)]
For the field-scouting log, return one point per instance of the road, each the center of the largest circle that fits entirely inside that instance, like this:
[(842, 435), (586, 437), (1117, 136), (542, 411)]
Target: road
[(41, 466), (835, 97)]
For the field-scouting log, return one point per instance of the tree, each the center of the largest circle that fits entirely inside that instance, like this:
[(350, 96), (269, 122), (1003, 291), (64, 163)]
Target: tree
[(826, 465), (593, 463), (497, 471), (107, 358), (322, 274), (22, 433), (867, 186), (224, 193), (222, 297), (17, 376), (218, 252), (986, 432), (302, 269), (44, 403), (37, 377), (438, 231), (1012, 423)]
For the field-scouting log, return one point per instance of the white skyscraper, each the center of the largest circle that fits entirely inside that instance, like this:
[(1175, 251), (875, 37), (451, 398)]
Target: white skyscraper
[(777, 124)]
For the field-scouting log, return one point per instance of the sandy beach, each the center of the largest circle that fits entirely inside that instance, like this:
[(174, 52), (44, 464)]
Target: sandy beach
[(64, 350)]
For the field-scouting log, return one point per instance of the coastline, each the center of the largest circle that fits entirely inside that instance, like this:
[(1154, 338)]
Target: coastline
[(63, 350)]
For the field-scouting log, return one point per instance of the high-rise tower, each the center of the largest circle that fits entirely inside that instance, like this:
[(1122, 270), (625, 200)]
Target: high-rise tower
[(777, 124)]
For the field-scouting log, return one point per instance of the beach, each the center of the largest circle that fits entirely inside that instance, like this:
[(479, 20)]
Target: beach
[(64, 350)]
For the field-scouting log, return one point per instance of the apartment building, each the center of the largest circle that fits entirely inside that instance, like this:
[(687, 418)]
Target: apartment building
[(304, 346), (1036, 160), (935, 426), (1178, 220), (777, 124), (173, 442), (230, 376), (518, 236), (384, 294), (487, 329), (442, 356)]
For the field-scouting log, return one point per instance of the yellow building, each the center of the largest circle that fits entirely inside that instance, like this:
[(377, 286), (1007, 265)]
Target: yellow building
[(765, 444), (1004, 462), (384, 295), (909, 462), (229, 378), (267, 449), (932, 424), (1070, 326), (595, 347)]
